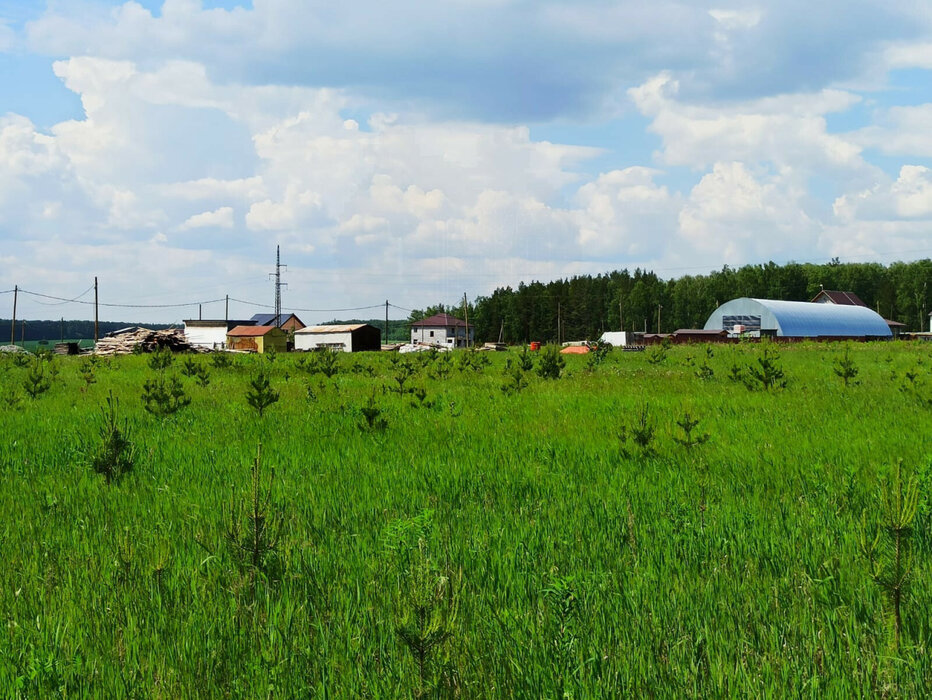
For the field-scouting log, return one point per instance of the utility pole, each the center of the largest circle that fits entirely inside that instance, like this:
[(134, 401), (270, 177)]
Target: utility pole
[(200, 312), (386, 320), (62, 329), (226, 311), (559, 330), (659, 307), (96, 317), (13, 322), (278, 285), (466, 316), (22, 333), (621, 317)]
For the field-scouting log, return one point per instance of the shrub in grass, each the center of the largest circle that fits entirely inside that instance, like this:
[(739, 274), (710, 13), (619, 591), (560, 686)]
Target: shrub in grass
[(36, 381), (767, 373), (845, 369), (551, 363), (404, 370), (525, 359), (115, 454), (887, 544), (254, 524), (688, 438), (515, 381), (641, 432), (372, 419), (161, 359), (261, 395), (163, 395), (221, 360), (87, 374), (189, 367), (426, 618), (328, 362)]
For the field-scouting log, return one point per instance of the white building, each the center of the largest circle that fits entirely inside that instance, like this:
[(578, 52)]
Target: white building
[(442, 329), (358, 337), (210, 333)]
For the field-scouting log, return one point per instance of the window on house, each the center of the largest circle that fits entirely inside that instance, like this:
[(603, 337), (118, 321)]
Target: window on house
[(431, 334)]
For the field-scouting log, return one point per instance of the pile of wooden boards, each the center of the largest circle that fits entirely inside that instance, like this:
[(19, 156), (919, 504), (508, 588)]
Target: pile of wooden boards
[(144, 340)]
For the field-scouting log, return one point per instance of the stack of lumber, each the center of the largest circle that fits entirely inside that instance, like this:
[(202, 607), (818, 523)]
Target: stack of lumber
[(143, 340)]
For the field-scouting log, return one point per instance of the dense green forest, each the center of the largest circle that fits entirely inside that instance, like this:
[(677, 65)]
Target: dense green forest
[(62, 329), (586, 306)]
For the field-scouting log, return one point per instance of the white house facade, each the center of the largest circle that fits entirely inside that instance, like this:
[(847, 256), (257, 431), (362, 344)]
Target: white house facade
[(444, 330)]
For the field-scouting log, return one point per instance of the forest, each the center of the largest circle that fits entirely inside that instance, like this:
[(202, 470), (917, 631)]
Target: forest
[(582, 307)]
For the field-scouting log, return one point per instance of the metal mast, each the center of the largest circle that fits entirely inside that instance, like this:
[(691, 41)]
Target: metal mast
[(278, 285)]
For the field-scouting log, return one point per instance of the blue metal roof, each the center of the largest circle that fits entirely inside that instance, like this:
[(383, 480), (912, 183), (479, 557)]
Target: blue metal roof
[(802, 319)]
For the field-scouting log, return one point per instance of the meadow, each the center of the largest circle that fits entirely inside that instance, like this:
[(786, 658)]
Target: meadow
[(656, 523)]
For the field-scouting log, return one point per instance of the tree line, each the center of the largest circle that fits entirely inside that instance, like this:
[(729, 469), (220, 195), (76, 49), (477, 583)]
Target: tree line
[(61, 329), (584, 306)]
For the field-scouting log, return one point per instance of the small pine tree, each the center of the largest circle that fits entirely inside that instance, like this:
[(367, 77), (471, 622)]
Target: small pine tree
[(261, 394), (551, 363), (253, 539), (767, 374), (845, 369), (115, 454), (887, 546), (36, 382), (161, 359), (164, 395), (688, 440)]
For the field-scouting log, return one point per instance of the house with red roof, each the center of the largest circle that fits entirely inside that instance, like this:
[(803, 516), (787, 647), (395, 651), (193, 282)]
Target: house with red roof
[(443, 330)]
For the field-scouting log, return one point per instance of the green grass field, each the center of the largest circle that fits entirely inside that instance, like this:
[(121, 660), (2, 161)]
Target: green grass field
[(472, 542)]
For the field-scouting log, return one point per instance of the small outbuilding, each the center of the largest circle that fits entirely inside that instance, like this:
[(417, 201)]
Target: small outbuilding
[(359, 337), (797, 319), (257, 339)]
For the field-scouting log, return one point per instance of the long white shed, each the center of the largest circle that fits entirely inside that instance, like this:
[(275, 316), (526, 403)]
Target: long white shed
[(358, 337)]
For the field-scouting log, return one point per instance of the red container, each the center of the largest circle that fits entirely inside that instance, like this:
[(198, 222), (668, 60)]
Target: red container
[(535, 346)]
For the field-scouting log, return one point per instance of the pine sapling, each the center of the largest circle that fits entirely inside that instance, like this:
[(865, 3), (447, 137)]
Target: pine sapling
[(261, 395), (767, 373), (164, 395), (254, 528), (687, 425), (427, 616), (845, 369), (36, 382), (115, 455), (887, 545), (551, 363)]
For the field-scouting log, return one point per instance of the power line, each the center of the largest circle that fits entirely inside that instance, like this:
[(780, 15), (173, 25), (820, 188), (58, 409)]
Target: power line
[(120, 306)]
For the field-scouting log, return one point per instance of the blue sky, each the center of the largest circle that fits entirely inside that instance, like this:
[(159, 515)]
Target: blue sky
[(415, 151)]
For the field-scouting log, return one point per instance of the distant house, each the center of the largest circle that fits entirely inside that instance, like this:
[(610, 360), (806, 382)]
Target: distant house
[(442, 329), (287, 322), (359, 337), (844, 298), (210, 333), (851, 299), (257, 338)]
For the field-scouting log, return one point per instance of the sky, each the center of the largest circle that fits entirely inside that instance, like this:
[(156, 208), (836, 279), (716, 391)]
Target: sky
[(415, 152)]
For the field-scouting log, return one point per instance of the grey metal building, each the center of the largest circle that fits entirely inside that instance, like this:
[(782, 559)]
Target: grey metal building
[(796, 319)]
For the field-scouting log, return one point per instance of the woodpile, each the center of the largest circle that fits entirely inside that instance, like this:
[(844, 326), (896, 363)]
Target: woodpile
[(144, 340)]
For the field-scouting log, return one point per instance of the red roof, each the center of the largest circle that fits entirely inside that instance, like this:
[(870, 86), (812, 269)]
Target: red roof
[(843, 298), (251, 331), (439, 320)]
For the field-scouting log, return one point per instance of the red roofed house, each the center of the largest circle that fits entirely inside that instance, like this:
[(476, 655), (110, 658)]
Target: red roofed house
[(257, 338), (442, 329)]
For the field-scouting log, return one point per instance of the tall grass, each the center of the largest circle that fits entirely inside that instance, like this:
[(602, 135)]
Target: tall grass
[(579, 568)]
